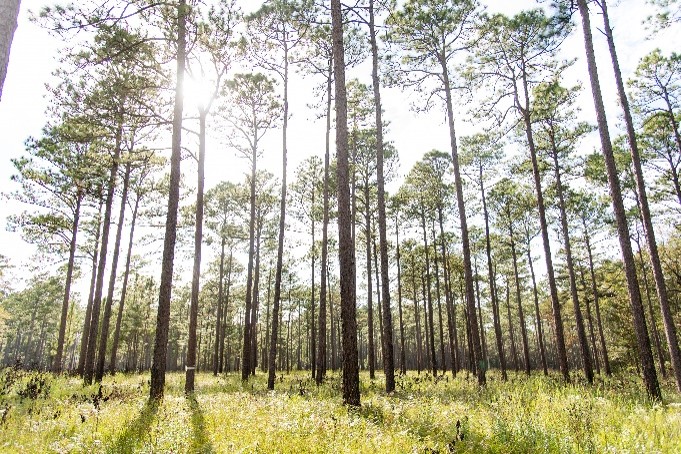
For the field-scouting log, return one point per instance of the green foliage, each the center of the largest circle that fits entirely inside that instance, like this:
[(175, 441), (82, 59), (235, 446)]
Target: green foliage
[(425, 414)]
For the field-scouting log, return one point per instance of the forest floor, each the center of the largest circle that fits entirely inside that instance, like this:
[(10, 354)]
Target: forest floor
[(43, 413)]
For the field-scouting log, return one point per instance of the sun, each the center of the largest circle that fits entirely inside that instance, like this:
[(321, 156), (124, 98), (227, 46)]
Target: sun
[(196, 91)]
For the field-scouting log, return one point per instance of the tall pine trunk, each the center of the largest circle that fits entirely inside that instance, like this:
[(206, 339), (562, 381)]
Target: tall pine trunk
[(106, 320), (57, 364), (323, 291), (88, 310), (158, 366), (465, 242), (541, 206), (387, 331), (89, 368), (121, 304), (656, 264), (345, 241), (579, 319), (190, 367), (644, 350)]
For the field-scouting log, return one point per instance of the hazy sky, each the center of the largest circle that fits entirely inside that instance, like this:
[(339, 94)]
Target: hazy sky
[(34, 55)]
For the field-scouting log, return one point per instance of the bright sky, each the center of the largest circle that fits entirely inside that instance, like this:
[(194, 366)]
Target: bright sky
[(34, 54)]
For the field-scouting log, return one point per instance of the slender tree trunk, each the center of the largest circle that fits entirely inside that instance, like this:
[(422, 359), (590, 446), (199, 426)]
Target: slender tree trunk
[(121, 304), (439, 302), (378, 294), (370, 307), (89, 370), (224, 312), (387, 330), (88, 311), (656, 264), (282, 228), (589, 318), (465, 242), (332, 319), (519, 302), (57, 364), (106, 320), (555, 302), (429, 299), (644, 351), (594, 291), (579, 320), (451, 319), (419, 353), (323, 291), (313, 334), (403, 359), (190, 368), (540, 330), (649, 300), (511, 331), (158, 367), (492, 285), (218, 316), (253, 361), (485, 360)]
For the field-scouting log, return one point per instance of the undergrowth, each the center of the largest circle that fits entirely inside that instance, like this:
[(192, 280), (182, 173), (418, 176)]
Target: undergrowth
[(43, 413)]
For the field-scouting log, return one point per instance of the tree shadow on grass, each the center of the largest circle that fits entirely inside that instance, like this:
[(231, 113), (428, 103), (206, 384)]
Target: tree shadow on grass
[(134, 432), (199, 440)]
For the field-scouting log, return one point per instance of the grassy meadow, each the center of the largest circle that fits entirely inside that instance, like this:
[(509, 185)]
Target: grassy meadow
[(42, 413)]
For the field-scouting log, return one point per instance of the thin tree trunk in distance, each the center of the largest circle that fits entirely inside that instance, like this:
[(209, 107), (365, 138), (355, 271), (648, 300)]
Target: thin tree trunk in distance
[(323, 291), (106, 320), (121, 304), (387, 330), (88, 311), (57, 364), (89, 370), (190, 368)]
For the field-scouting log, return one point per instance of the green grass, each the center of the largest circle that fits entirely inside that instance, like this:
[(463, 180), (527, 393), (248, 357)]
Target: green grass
[(424, 416)]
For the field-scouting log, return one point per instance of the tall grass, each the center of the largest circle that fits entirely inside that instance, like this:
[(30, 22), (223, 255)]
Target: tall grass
[(425, 415)]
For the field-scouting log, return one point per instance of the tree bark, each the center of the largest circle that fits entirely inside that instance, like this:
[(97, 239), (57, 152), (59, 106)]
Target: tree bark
[(656, 264), (89, 368), (346, 254), (371, 353), (403, 360), (190, 367), (57, 364), (9, 14), (106, 320), (540, 330), (465, 243), (492, 285), (541, 206), (387, 332), (158, 367), (88, 311), (282, 226), (644, 350), (579, 319), (519, 302), (323, 291), (218, 316), (121, 304)]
